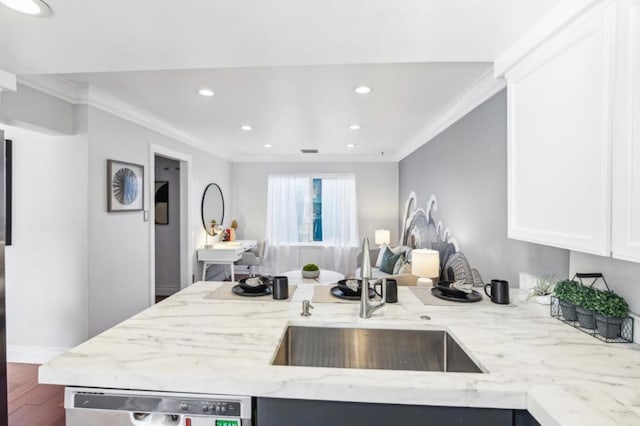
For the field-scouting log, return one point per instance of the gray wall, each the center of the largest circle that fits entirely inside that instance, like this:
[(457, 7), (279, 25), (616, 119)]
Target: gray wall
[(465, 167), (623, 277), (99, 269), (376, 187), (119, 252), (167, 239)]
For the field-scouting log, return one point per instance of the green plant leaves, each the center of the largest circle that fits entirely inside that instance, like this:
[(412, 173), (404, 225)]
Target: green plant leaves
[(605, 303)]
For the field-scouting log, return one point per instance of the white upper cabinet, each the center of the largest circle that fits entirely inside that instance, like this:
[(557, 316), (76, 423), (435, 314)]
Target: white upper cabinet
[(626, 153), (574, 130), (560, 139)]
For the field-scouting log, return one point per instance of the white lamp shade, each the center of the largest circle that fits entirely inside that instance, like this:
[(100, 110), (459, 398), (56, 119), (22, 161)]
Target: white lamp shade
[(383, 236), (425, 263)]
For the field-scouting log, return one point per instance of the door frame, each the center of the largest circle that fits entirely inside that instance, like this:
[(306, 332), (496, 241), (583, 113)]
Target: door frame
[(186, 244)]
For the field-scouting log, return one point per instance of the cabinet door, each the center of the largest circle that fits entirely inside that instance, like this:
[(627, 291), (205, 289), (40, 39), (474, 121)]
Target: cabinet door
[(559, 100), (626, 161), (296, 412)]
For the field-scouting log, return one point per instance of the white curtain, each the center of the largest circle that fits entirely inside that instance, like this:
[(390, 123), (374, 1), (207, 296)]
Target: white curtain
[(288, 207), (340, 221), (290, 223)]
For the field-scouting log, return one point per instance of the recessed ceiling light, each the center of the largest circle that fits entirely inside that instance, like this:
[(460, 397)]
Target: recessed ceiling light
[(267, 145), (30, 7), (351, 145), (246, 128), (203, 92), (354, 127), (362, 90)]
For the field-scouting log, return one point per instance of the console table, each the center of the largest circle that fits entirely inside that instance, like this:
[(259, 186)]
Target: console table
[(223, 253)]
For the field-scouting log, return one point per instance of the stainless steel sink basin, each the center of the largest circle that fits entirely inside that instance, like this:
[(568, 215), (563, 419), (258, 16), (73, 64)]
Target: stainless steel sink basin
[(384, 349)]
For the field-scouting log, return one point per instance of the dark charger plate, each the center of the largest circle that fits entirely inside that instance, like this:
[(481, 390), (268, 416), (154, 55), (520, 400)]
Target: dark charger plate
[(474, 296), (447, 290), (241, 292), (247, 290), (337, 292)]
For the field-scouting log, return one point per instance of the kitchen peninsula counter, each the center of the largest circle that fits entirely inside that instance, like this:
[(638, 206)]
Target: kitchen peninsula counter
[(190, 343)]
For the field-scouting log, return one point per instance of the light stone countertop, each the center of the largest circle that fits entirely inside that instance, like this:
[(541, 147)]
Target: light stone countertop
[(191, 344)]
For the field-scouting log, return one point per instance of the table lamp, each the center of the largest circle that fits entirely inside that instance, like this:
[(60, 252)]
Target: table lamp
[(382, 236), (425, 264)]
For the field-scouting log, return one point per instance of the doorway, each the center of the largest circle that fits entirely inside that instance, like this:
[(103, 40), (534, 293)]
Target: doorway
[(170, 268), (167, 226)]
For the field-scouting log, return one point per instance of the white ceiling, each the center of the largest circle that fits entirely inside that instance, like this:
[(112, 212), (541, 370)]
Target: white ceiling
[(296, 107), (272, 64)]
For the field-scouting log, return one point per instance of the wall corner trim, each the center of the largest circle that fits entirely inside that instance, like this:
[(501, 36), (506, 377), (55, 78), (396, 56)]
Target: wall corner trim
[(83, 94), (480, 91)]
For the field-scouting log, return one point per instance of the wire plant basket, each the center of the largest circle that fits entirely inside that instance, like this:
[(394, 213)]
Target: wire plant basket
[(609, 330)]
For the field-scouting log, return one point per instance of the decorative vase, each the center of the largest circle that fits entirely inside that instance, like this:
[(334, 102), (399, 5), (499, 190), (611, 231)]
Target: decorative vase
[(609, 327), (586, 317), (310, 274), (544, 300), (568, 310)]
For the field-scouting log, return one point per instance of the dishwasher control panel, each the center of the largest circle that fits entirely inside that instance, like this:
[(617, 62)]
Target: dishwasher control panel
[(228, 408), (179, 408)]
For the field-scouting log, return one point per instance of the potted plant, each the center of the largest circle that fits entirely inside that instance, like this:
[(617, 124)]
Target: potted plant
[(586, 302), (565, 291), (543, 289), (611, 310), (310, 270)]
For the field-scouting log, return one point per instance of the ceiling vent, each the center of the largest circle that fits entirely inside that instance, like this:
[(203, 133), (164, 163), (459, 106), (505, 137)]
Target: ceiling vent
[(309, 151)]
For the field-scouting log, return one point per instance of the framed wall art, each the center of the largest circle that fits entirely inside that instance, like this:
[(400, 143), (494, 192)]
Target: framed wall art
[(125, 186)]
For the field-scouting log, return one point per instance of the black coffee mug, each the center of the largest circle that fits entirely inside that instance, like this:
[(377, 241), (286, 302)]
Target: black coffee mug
[(391, 290), (280, 288), (499, 291)]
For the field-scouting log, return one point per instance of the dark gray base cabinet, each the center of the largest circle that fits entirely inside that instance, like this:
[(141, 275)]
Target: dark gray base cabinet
[(295, 412)]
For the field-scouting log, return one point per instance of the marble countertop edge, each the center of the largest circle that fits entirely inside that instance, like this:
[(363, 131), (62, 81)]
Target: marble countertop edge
[(560, 375)]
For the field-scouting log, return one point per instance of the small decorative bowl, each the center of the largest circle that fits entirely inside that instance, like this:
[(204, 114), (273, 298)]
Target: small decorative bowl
[(310, 274), (254, 284), (350, 287)]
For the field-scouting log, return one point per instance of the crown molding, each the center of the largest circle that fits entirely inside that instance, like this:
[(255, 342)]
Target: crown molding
[(81, 94), (551, 23), (480, 91), (316, 158), (107, 102), (58, 87)]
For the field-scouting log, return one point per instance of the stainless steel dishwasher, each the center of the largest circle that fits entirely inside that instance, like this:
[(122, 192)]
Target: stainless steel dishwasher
[(114, 407)]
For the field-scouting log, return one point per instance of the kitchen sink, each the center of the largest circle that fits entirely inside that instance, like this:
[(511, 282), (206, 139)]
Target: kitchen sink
[(383, 349)]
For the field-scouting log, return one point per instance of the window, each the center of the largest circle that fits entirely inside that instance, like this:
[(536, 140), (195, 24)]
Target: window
[(312, 209), (317, 209)]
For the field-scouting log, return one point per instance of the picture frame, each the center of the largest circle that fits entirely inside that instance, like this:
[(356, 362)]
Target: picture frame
[(125, 186), (161, 202)]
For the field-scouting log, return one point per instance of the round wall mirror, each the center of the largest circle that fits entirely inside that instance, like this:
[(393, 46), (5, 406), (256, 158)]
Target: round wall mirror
[(212, 207)]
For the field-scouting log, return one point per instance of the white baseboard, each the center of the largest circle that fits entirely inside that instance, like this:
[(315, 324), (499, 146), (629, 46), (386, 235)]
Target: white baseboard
[(32, 354)]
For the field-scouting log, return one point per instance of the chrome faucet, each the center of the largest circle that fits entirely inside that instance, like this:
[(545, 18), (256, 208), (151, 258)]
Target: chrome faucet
[(366, 307)]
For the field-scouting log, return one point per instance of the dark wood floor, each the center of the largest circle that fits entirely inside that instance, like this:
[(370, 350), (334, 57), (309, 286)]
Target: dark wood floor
[(32, 404)]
